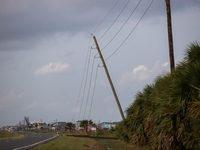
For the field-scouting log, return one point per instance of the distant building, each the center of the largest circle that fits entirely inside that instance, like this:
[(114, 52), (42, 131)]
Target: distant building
[(113, 124), (45, 127), (41, 125), (37, 124), (107, 125), (61, 125), (90, 128), (78, 123), (57, 126), (8, 128)]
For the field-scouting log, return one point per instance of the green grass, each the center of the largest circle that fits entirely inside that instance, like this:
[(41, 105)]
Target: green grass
[(68, 143), (66, 133), (78, 143), (118, 145), (94, 134), (9, 135)]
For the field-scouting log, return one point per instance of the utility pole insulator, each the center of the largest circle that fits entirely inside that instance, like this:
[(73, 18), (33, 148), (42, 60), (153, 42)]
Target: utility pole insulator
[(109, 79)]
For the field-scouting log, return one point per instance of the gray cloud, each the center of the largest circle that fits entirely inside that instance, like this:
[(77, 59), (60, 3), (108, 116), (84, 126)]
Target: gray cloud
[(39, 18), (59, 30), (34, 19)]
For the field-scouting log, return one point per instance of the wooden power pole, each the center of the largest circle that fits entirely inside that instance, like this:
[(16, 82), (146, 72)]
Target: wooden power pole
[(169, 24), (172, 66), (110, 81)]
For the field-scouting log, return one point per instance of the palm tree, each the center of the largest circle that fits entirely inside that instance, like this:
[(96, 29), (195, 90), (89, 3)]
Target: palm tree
[(69, 126), (166, 114), (85, 124), (192, 53)]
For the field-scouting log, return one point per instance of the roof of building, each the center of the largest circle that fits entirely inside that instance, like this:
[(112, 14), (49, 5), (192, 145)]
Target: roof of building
[(108, 123), (61, 122), (79, 120)]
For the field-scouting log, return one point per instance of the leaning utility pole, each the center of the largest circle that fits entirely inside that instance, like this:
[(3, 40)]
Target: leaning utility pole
[(110, 81), (169, 24)]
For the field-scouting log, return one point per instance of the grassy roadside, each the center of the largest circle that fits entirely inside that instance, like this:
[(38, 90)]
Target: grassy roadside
[(118, 145), (8, 135), (94, 134), (66, 133), (69, 143), (78, 143), (82, 143)]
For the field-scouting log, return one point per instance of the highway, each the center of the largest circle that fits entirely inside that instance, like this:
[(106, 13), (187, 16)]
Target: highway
[(29, 140)]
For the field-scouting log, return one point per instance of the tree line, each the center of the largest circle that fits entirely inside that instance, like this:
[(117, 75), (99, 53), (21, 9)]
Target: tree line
[(83, 124)]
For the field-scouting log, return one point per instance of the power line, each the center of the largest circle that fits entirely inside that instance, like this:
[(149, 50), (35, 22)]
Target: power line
[(89, 87), (131, 31), (114, 21), (121, 26), (87, 59), (105, 17), (85, 83), (82, 77), (93, 91)]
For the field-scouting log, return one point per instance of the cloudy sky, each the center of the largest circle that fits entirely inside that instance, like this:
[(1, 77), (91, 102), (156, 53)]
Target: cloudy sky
[(46, 63)]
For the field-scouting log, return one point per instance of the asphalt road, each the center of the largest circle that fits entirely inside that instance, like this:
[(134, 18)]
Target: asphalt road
[(30, 139)]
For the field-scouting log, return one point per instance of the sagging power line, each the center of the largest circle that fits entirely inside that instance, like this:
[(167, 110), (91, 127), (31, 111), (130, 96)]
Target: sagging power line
[(121, 26), (86, 60), (93, 92), (86, 69), (85, 84), (114, 21), (105, 17), (130, 32), (89, 88)]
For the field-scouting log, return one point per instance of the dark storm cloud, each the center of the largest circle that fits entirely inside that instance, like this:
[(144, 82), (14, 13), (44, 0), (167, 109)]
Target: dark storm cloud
[(39, 18), (158, 8), (32, 20)]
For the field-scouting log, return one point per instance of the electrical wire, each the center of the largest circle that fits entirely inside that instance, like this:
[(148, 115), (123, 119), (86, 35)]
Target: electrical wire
[(114, 21), (122, 26), (89, 87), (131, 31), (87, 59), (89, 49), (85, 83), (93, 91), (105, 17), (82, 78)]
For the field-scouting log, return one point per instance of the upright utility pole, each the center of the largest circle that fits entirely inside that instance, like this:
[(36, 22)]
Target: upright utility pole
[(110, 81), (171, 55), (169, 24)]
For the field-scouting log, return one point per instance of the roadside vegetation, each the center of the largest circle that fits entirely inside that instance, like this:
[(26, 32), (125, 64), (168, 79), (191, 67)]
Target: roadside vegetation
[(166, 114), (9, 135), (79, 143), (65, 142)]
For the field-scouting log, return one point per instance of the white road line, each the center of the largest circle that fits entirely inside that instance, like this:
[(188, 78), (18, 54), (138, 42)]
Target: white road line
[(35, 143)]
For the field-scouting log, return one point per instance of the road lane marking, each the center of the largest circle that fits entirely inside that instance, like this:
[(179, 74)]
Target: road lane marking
[(35, 143)]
